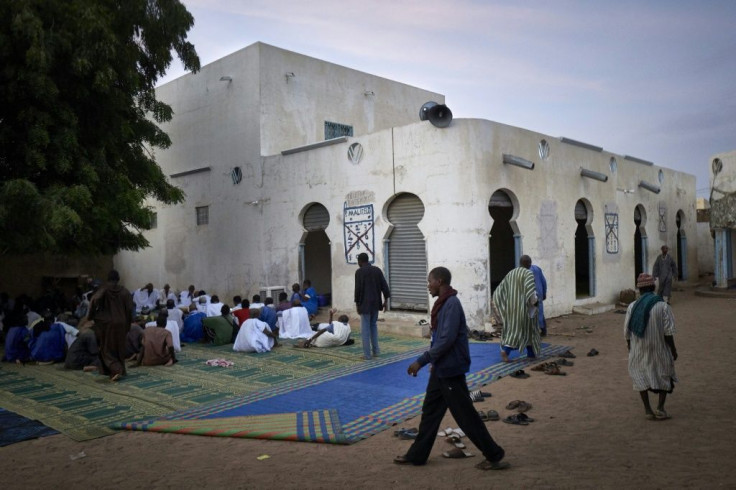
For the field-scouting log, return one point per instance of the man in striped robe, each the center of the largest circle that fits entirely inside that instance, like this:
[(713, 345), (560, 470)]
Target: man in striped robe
[(649, 331), (516, 301)]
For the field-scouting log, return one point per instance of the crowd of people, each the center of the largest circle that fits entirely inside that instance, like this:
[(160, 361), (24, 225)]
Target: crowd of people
[(111, 326), (107, 328)]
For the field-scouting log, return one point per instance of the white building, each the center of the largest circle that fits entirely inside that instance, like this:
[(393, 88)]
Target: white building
[(280, 195)]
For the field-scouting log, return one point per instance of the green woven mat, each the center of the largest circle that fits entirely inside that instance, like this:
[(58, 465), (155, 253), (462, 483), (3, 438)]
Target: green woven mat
[(83, 405)]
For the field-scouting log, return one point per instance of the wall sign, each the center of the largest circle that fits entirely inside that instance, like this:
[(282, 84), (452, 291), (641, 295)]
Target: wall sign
[(358, 231)]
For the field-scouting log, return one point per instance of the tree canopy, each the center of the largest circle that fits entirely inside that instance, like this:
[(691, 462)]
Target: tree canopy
[(79, 121)]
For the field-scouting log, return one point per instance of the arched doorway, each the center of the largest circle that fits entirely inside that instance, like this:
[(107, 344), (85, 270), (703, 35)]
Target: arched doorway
[(407, 255), (504, 240), (640, 241), (681, 246), (314, 257), (584, 251)]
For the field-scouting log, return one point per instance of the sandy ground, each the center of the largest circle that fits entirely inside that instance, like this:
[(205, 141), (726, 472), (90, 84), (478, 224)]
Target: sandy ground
[(590, 431)]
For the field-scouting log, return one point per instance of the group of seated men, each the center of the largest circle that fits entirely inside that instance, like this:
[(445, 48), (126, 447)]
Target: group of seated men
[(161, 326)]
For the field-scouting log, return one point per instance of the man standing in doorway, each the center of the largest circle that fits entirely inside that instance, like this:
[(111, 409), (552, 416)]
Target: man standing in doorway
[(369, 285), (540, 282), (664, 270)]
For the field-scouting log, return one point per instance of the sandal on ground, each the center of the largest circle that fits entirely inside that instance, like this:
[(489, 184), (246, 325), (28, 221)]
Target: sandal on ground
[(492, 415), (515, 420), (540, 367), (447, 432), (457, 453), (519, 374), (564, 362), (523, 406), (513, 404), (455, 440), (476, 396), (568, 355), (492, 465), (554, 371), (592, 353)]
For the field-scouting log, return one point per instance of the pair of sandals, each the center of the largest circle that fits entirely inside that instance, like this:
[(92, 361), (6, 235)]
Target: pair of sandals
[(518, 419), (554, 370), (490, 415), (519, 374), (479, 396), (519, 405)]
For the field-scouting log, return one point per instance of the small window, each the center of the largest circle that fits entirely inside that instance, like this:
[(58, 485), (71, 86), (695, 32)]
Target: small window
[(335, 130), (203, 215), (660, 177), (154, 221)]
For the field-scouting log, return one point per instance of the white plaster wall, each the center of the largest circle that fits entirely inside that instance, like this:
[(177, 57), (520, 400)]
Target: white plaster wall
[(725, 181)]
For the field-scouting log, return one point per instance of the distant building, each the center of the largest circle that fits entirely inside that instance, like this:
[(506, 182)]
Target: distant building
[(292, 166), (723, 215)]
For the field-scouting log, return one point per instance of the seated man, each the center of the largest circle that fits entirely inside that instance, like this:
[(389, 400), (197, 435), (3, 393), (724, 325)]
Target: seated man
[(284, 303), (83, 353), (175, 313), (202, 301), (47, 342), (237, 300), (166, 294), (242, 313), (295, 293), (193, 329), (330, 334), (269, 316), (215, 306), (309, 298), (133, 339), (295, 323), (256, 303), (171, 326), (220, 330), (16, 338), (157, 346), (145, 296), (255, 336), (186, 297)]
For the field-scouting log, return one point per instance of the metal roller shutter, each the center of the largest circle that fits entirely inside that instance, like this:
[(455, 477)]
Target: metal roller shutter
[(407, 258), (316, 217)]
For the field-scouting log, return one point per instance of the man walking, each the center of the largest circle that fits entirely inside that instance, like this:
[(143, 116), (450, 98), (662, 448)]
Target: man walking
[(111, 308), (516, 301), (664, 270), (540, 283), (649, 328), (369, 285), (449, 355)]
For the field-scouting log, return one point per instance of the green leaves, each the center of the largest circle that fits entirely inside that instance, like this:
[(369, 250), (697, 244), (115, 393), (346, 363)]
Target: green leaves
[(78, 120)]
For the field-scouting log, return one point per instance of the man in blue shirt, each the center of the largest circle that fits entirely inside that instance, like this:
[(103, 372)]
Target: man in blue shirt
[(449, 355), (540, 283)]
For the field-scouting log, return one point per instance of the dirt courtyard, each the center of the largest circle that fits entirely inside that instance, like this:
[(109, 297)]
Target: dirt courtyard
[(589, 431)]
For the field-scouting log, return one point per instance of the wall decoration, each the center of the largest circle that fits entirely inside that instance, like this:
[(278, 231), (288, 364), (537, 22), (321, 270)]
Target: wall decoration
[(662, 218), (359, 233), (611, 233)]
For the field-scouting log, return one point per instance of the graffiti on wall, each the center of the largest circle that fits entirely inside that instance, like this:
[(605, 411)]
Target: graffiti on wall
[(611, 233), (359, 232)]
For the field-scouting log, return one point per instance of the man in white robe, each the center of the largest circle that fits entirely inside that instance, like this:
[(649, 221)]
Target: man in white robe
[(255, 336), (294, 323), (332, 334)]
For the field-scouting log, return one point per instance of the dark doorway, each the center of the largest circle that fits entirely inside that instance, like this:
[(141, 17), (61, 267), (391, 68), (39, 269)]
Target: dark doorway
[(583, 252), (637, 244), (681, 247), (316, 259), (502, 241)]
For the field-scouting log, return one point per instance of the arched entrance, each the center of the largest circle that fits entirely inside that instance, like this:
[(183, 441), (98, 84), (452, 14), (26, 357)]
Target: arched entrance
[(584, 250), (640, 241), (681, 246), (315, 261), (407, 255), (504, 240)]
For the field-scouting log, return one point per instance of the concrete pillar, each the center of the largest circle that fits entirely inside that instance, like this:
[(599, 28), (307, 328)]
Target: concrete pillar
[(720, 261)]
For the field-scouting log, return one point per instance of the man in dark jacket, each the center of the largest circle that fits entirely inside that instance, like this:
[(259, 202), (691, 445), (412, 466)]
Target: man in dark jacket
[(369, 285), (449, 355)]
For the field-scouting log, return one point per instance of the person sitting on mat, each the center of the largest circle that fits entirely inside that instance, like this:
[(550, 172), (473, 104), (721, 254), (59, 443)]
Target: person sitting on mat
[(255, 335), (157, 345), (331, 334)]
